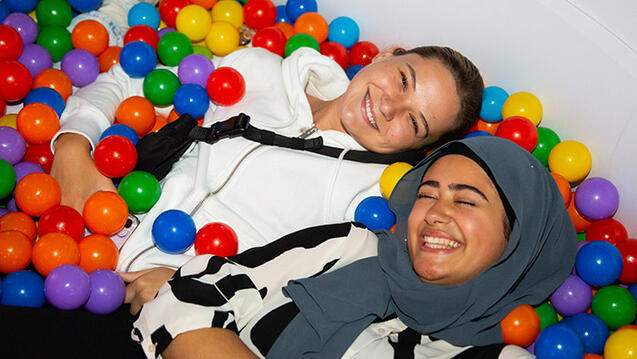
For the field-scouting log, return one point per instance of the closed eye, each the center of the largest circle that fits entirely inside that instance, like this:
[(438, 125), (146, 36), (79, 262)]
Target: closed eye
[(403, 79), (414, 123), (471, 204)]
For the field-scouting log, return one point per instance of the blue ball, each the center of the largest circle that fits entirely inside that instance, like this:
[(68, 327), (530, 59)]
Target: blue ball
[(138, 59), (591, 330), (560, 342), (47, 96), (84, 5), (174, 231), (352, 70), (493, 99), (343, 30), (191, 99), (282, 15), (24, 6), (296, 8), (143, 13), (4, 11), (120, 129), (23, 288), (477, 134), (599, 263), (374, 213)]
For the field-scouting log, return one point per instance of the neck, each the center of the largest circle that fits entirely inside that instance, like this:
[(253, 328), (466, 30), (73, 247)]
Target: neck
[(325, 114)]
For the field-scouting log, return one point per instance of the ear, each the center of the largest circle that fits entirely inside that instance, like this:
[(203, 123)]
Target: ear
[(388, 52)]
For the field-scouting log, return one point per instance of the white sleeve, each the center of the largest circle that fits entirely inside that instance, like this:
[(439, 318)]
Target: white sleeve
[(515, 352)]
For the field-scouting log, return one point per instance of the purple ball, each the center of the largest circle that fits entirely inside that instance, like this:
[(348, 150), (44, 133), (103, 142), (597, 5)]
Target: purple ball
[(12, 206), (531, 348), (161, 32), (596, 198), (572, 297), (36, 58), (24, 168), (12, 145), (195, 69), (3, 211), (107, 292), (81, 67), (25, 26), (67, 287)]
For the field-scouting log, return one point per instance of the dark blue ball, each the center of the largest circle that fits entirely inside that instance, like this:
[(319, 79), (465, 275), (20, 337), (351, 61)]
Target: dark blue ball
[(23, 6), (4, 11), (23, 288), (282, 15), (138, 59), (477, 134), (119, 129), (558, 341), (374, 213), (591, 330), (352, 70), (191, 99), (85, 5), (47, 96), (296, 8), (599, 263), (174, 231)]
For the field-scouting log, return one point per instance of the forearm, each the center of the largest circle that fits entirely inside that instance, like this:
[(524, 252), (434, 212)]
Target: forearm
[(207, 343)]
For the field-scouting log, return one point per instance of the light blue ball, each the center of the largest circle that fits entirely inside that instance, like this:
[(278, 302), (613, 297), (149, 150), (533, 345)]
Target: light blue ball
[(374, 213), (191, 99), (493, 99), (343, 30), (174, 231), (143, 13)]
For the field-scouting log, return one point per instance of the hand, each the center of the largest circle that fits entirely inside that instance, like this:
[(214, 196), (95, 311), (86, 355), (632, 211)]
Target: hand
[(144, 285)]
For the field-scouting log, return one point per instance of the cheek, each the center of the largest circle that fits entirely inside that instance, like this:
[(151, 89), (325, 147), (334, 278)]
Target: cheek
[(487, 236)]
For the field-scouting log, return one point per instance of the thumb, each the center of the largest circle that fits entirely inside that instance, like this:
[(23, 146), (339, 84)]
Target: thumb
[(132, 276)]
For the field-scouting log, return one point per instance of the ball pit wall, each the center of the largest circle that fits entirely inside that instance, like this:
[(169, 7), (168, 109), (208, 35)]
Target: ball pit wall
[(579, 57)]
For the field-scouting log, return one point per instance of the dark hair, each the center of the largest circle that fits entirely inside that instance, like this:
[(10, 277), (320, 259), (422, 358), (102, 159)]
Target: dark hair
[(469, 85)]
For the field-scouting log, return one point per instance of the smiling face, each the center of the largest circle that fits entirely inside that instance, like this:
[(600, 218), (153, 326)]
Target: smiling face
[(400, 102), (456, 229)]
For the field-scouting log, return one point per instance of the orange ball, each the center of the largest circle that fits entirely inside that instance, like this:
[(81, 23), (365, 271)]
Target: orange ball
[(105, 212), (521, 327), (313, 24), (97, 251), (564, 187), (206, 4), (18, 221), (54, 249), (138, 113), (288, 29), (108, 58), (580, 223), (91, 36), (37, 192), (173, 116), (482, 125), (15, 251), (592, 356), (55, 79), (37, 123), (160, 121)]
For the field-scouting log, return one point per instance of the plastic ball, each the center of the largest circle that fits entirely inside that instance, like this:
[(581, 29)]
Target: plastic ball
[(609, 230), (85, 5), (621, 345), (25, 25), (120, 129), (351, 71), (7, 178), (628, 250), (571, 159), (36, 193), (20, 6), (53, 12), (47, 96), (288, 29), (10, 43), (12, 145), (138, 113), (56, 40), (374, 213), (105, 213), (313, 24), (23, 289), (591, 330), (202, 50), (558, 341), (362, 53), (8, 120), (482, 125), (140, 190), (107, 292), (35, 58), (81, 66), (143, 13), (271, 39), (300, 40), (520, 327), (596, 198), (519, 130), (206, 4), (15, 81), (547, 139), (173, 47), (56, 80), (18, 221), (15, 251), (343, 30), (477, 134), (225, 86), (391, 175), (296, 8), (160, 86), (564, 187), (195, 69), (174, 231), (40, 154), (614, 305), (91, 36), (228, 11), (115, 156), (109, 57), (336, 52), (598, 263), (97, 251), (282, 15), (53, 250), (572, 297), (217, 239), (223, 37), (168, 10), (160, 121), (493, 99), (547, 315), (138, 59), (191, 99), (142, 33), (523, 104), (61, 219), (259, 14), (194, 22), (67, 287), (37, 122), (580, 223)]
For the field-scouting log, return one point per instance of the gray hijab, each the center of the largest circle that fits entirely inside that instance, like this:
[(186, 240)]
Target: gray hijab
[(336, 307)]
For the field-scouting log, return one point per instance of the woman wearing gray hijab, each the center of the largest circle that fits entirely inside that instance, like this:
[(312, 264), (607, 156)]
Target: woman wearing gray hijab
[(481, 229)]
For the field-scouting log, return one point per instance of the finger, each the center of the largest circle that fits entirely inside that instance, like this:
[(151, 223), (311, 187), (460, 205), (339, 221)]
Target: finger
[(134, 308), (130, 293), (131, 276)]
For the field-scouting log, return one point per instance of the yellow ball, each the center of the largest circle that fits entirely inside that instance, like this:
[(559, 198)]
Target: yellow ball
[(194, 22), (390, 177), (9, 120), (228, 11), (571, 159), (223, 38), (523, 104), (162, 25), (32, 15), (621, 345)]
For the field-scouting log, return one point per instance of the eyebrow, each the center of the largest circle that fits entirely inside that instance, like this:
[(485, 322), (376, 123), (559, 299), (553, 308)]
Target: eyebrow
[(412, 72), (455, 187)]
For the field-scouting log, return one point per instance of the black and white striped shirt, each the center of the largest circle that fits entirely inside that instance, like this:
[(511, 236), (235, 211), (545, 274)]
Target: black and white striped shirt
[(243, 293)]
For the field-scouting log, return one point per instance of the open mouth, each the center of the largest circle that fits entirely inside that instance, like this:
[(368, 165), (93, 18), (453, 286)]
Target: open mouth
[(439, 244), (368, 114)]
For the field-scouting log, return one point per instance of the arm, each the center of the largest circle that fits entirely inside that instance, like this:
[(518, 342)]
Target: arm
[(207, 343)]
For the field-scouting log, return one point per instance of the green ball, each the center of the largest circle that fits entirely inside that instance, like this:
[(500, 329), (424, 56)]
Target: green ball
[(202, 51), (160, 86), (547, 139), (54, 12), (547, 314), (56, 40), (300, 40), (7, 178), (581, 236), (140, 190), (614, 305), (173, 47)]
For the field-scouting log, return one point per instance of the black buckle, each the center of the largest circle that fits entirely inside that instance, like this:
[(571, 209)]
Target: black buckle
[(232, 127)]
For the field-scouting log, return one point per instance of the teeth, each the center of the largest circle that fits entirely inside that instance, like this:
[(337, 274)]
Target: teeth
[(368, 108), (441, 243)]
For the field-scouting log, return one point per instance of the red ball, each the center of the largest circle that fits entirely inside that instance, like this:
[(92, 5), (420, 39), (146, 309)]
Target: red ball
[(609, 230), (3, 107), (143, 33), (628, 250), (62, 219), (40, 154), (10, 43), (519, 130), (271, 39), (362, 53), (15, 81), (168, 10), (259, 14), (216, 238), (336, 52), (225, 86), (115, 156)]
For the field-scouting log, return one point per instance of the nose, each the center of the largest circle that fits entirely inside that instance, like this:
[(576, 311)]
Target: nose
[(392, 105), (438, 213)]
